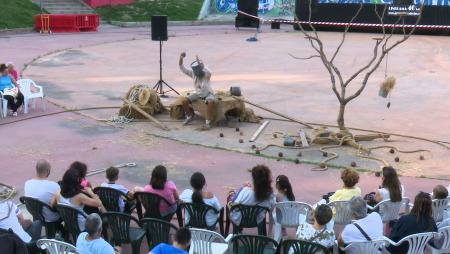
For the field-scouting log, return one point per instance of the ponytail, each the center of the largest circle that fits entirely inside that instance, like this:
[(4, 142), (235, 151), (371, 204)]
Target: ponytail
[(197, 182), (197, 197)]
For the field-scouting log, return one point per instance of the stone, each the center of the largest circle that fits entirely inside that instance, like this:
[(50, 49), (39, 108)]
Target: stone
[(397, 159), (392, 151), (353, 164), (280, 154), (221, 135)]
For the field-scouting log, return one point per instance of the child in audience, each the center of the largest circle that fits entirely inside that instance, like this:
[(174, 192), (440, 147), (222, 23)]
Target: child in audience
[(112, 174), (440, 192), (284, 189), (318, 232), (82, 170)]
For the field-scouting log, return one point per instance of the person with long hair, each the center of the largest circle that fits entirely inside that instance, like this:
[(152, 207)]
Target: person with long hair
[(259, 193), (284, 189), (74, 195), (390, 186), (198, 195), (161, 186), (419, 220), (82, 171)]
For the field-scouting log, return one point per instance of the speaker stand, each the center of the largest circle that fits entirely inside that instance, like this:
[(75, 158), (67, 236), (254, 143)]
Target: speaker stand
[(159, 86)]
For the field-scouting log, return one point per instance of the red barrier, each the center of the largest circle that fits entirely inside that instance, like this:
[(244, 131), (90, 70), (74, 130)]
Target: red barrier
[(99, 3), (67, 22)]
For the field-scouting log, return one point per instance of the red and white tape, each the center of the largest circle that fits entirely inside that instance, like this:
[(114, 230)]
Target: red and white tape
[(344, 24)]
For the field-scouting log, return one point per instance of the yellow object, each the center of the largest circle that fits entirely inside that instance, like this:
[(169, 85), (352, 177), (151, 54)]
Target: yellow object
[(345, 194)]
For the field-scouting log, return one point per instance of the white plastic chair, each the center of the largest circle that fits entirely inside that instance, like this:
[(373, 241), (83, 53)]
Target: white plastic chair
[(287, 215), (56, 247), (444, 234), (4, 105), (387, 209), (439, 207), (25, 88), (343, 212), (416, 242), (372, 247), (202, 241)]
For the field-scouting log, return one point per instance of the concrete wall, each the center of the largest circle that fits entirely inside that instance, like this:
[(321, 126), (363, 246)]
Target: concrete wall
[(99, 3)]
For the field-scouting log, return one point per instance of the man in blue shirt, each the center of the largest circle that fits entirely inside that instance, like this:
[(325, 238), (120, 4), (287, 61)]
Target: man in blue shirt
[(91, 241), (180, 245)]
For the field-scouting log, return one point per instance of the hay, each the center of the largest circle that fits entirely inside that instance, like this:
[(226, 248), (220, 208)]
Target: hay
[(147, 99), (387, 86), (176, 108)]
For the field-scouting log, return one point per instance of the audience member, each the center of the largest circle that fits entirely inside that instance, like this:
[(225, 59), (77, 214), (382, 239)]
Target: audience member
[(161, 186), (91, 241), (43, 189), (11, 217), (440, 192), (350, 178), (390, 186), (82, 171), (366, 227), (112, 174), (284, 189), (259, 193), (318, 232), (180, 244), (198, 195), (12, 71), (73, 195), (419, 220), (14, 96)]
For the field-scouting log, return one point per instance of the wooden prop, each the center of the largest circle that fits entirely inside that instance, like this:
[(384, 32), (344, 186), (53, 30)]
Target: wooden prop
[(273, 112), (149, 117), (258, 131)]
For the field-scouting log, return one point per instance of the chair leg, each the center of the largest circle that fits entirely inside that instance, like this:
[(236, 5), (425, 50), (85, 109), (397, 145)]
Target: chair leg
[(136, 246), (25, 106), (43, 104)]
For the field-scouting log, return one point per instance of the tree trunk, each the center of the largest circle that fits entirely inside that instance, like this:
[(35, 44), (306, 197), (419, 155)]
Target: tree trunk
[(340, 119)]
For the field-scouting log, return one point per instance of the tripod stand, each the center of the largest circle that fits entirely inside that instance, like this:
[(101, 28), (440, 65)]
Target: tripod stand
[(160, 84)]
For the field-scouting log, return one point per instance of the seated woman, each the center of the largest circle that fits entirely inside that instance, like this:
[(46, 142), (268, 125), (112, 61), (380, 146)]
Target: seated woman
[(318, 232), (420, 220), (390, 186), (259, 193), (73, 195), (198, 195), (166, 189), (15, 98), (350, 178)]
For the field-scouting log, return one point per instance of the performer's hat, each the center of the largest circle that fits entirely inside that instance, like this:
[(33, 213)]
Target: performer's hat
[(197, 68)]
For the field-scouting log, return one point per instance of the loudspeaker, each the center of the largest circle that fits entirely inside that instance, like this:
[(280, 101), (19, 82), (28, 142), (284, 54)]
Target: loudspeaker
[(250, 7), (159, 28)]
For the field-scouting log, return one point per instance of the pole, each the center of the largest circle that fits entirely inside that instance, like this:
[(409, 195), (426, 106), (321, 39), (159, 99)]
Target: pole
[(146, 115)]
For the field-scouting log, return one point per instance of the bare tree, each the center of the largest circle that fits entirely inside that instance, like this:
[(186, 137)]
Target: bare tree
[(383, 45)]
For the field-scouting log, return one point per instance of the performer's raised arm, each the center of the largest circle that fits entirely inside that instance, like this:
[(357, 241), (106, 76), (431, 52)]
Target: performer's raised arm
[(182, 68)]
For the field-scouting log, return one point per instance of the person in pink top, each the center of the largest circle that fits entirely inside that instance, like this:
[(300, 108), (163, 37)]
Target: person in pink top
[(12, 71), (161, 186)]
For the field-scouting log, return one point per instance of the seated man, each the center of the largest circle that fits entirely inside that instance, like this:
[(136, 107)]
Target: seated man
[(180, 244), (11, 218), (365, 227), (203, 91), (43, 189), (91, 241), (112, 174)]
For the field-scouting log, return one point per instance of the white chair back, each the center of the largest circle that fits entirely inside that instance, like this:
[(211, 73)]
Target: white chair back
[(416, 242), (372, 247), (388, 210), (25, 87), (56, 247), (439, 206), (202, 240), (444, 235), (405, 205), (343, 212), (287, 213)]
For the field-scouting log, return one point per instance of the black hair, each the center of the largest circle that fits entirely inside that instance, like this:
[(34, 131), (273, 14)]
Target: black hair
[(392, 184), (282, 182), (262, 182), (80, 167), (323, 214), (197, 182), (70, 184), (112, 174), (422, 209), (3, 67), (159, 177), (183, 236)]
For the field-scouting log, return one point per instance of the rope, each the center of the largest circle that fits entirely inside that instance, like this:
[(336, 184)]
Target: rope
[(7, 192)]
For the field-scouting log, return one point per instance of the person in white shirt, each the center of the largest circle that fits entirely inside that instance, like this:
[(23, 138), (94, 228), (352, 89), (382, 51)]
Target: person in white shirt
[(391, 187), (112, 174), (259, 193), (198, 195), (318, 232), (91, 241), (365, 227), (43, 189), (203, 91), (11, 217)]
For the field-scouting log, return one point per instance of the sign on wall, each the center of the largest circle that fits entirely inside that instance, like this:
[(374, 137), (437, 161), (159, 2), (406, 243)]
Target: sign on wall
[(266, 7)]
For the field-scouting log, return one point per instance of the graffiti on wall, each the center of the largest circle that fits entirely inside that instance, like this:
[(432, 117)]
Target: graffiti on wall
[(417, 2), (267, 7)]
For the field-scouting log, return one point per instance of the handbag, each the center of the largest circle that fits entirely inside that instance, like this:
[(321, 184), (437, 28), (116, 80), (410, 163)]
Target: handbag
[(11, 92)]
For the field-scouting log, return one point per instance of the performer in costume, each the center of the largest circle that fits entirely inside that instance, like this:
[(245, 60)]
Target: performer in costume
[(203, 91)]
